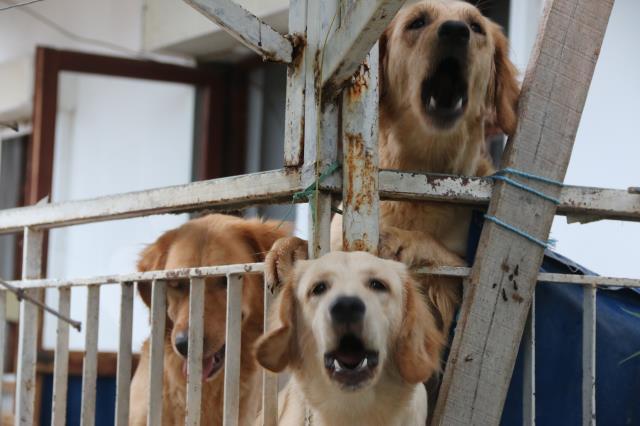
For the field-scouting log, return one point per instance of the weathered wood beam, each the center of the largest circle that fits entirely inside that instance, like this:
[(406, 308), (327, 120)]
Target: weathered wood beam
[(296, 81), (246, 28), (347, 48), (491, 323), (580, 201), (360, 196)]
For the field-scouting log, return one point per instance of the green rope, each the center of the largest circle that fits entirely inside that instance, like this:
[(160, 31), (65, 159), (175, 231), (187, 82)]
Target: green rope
[(309, 193)]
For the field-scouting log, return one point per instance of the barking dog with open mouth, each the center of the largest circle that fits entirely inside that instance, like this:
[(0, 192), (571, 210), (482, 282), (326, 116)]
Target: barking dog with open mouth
[(444, 73), (211, 240), (358, 339)]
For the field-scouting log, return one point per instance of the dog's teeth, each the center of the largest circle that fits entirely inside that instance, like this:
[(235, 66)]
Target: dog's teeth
[(432, 103), (363, 364), (336, 365), (459, 104)]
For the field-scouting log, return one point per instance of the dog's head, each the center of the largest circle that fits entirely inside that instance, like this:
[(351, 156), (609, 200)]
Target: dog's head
[(350, 318), (442, 62), (208, 241)]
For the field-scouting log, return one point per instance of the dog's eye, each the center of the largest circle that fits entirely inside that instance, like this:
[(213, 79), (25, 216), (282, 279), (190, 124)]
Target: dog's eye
[(417, 23), (377, 285), (477, 28), (319, 288)]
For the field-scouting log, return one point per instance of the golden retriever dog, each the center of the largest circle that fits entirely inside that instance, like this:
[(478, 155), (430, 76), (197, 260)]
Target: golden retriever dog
[(358, 340), (444, 73), (207, 241)]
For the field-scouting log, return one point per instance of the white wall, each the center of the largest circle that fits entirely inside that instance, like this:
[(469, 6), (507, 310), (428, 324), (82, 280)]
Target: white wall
[(606, 150), (114, 135), (118, 22)]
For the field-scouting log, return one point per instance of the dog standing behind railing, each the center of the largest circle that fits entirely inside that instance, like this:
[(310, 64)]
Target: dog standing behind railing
[(358, 339), (208, 241)]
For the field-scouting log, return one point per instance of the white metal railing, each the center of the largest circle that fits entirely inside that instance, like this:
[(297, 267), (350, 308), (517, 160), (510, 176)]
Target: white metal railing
[(346, 31)]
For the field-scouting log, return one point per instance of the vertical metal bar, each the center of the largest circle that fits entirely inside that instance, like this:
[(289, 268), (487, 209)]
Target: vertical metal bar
[(529, 380), (360, 197), (194, 361), (123, 374), (589, 356), (61, 360), (89, 367), (296, 71), (28, 334), (156, 351), (232, 350), (269, 379), (3, 326), (321, 122)]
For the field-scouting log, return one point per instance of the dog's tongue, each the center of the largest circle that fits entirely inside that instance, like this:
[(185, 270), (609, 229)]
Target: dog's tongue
[(350, 359), (208, 364)]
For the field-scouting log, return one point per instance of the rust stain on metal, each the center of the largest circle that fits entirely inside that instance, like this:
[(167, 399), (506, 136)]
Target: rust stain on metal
[(358, 163), (299, 44), (359, 83)]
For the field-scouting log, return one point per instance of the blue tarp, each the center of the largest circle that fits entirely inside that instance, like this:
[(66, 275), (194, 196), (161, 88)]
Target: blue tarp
[(559, 350)]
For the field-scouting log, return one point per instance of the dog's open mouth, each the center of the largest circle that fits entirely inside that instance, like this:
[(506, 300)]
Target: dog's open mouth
[(351, 364), (210, 364), (444, 92)]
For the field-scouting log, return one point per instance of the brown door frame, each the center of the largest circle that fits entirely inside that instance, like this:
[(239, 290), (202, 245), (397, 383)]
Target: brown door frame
[(219, 132)]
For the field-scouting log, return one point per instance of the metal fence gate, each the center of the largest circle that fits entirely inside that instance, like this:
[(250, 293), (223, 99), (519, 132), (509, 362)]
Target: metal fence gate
[(332, 101)]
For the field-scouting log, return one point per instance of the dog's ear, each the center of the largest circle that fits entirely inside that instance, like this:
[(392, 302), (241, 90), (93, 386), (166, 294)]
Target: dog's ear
[(260, 235), (419, 342), (153, 258), (277, 349), (504, 90)]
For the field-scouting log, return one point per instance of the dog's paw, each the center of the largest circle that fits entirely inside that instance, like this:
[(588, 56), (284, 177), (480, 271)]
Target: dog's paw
[(398, 244), (279, 262), (415, 248)]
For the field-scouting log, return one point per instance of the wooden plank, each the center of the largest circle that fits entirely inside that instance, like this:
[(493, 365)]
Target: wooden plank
[(28, 334), (575, 201), (246, 28), (279, 185), (296, 80), (194, 358), (232, 354), (490, 328), (589, 356), (156, 351), (228, 193), (360, 197), (269, 379), (529, 373), (89, 370), (364, 23), (61, 360), (321, 122), (123, 375)]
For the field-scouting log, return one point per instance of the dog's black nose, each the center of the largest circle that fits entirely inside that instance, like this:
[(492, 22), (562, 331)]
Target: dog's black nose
[(347, 310), (182, 343), (454, 32)]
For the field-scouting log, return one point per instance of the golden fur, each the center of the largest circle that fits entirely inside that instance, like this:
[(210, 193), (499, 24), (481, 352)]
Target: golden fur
[(412, 140), (397, 324), (210, 240)]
